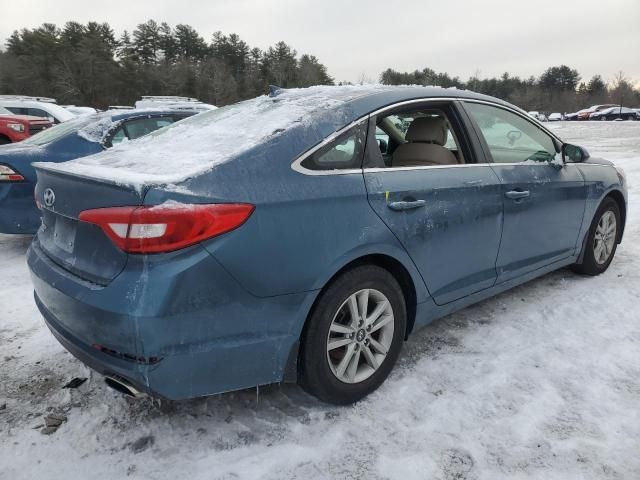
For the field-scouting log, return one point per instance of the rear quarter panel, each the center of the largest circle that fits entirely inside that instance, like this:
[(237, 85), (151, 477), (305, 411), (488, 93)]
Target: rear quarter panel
[(304, 229)]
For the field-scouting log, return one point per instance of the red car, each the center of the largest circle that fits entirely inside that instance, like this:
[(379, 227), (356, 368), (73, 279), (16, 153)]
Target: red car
[(15, 128)]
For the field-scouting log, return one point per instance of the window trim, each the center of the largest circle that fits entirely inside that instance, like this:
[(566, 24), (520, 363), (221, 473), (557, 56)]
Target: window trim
[(297, 167)]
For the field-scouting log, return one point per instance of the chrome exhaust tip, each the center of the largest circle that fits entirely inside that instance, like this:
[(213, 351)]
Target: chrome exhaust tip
[(124, 387)]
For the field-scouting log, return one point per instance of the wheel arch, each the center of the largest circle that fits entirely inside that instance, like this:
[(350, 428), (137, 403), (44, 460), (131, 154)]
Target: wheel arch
[(618, 197), (387, 262), (395, 268)]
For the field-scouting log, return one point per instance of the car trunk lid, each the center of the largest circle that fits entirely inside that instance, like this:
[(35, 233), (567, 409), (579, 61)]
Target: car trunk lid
[(79, 247)]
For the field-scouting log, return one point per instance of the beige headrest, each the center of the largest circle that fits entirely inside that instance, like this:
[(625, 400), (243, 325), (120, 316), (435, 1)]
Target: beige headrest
[(427, 129)]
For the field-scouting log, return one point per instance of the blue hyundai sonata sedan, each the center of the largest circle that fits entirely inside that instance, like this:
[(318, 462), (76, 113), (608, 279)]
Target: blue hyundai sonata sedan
[(304, 235), (72, 139)]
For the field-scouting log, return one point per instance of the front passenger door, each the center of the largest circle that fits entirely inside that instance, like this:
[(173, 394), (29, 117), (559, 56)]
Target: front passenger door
[(543, 198)]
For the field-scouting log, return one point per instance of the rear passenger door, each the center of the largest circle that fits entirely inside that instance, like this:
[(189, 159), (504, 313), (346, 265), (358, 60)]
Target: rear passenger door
[(448, 216), (544, 199)]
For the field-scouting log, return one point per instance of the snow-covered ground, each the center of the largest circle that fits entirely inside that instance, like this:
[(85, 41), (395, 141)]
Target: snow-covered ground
[(541, 382)]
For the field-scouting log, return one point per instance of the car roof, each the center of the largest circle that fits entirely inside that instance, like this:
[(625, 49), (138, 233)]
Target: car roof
[(371, 98)]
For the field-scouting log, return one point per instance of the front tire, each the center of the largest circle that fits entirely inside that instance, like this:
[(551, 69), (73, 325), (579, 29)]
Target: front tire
[(602, 239), (353, 336)]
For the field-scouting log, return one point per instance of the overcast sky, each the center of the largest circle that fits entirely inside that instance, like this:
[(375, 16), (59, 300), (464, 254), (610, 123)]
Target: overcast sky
[(359, 39)]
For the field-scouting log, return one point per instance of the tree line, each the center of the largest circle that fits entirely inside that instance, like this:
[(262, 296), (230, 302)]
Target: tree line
[(557, 89), (89, 65)]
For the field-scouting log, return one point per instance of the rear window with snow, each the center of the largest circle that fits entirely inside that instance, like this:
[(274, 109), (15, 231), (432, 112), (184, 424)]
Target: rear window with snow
[(197, 144)]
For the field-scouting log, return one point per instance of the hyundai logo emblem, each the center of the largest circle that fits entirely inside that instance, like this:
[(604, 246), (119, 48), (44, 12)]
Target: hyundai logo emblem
[(49, 197)]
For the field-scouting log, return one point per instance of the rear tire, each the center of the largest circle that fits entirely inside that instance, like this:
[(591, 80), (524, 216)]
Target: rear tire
[(602, 239), (345, 354)]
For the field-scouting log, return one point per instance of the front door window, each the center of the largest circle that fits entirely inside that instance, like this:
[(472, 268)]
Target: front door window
[(510, 137)]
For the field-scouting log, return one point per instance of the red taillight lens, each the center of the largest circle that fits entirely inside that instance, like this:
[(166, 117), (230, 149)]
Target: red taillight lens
[(168, 227), (7, 174)]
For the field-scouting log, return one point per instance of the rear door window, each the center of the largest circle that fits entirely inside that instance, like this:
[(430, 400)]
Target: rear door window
[(38, 112), (143, 126), (119, 136), (343, 153)]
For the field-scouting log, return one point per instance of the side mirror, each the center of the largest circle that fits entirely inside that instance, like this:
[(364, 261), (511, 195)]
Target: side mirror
[(574, 153), (382, 145), (513, 136)]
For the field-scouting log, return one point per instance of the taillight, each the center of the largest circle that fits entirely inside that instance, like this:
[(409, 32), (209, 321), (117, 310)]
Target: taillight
[(7, 174), (167, 227)]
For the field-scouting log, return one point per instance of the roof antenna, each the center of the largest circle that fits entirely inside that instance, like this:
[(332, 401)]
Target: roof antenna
[(275, 90)]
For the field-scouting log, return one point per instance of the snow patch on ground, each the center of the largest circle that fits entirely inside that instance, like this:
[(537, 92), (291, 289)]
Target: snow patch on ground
[(542, 382)]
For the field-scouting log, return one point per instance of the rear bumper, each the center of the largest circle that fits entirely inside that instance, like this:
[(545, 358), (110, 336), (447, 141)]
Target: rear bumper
[(91, 357), (208, 334), (18, 211)]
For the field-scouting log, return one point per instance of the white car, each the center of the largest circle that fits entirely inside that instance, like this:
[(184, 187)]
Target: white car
[(556, 117), (541, 117), (174, 103), (36, 107), (79, 111)]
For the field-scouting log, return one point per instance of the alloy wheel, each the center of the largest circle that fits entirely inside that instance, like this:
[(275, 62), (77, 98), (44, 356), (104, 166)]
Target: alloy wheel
[(605, 237), (360, 336)]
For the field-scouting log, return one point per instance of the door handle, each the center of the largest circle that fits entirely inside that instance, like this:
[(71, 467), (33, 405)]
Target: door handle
[(517, 194), (406, 205)]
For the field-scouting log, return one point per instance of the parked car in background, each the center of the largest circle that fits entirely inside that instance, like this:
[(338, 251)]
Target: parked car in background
[(80, 110), (585, 114), (615, 113), (173, 102), (15, 128), (556, 117), (272, 240), (541, 117), (36, 107), (75, 138)]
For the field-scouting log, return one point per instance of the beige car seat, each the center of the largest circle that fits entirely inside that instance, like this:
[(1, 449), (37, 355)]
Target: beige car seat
[(425, 139)]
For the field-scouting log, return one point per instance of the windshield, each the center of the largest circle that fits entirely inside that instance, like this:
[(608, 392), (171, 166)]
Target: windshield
[(61, 130), (4, 111)]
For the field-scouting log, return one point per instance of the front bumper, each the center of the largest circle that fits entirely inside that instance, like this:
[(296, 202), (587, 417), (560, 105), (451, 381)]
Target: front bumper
[(206, 332)]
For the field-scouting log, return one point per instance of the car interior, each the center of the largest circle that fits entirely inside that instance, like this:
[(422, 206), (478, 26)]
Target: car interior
[(418, 138)]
